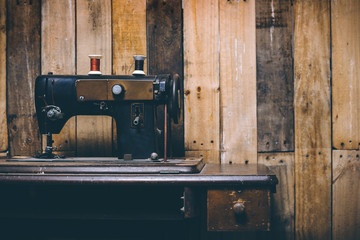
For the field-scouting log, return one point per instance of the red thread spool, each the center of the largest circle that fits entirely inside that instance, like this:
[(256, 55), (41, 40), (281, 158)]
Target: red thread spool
[(95, 64)]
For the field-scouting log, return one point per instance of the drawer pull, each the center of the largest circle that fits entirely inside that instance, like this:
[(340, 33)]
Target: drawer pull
[(239, 209)]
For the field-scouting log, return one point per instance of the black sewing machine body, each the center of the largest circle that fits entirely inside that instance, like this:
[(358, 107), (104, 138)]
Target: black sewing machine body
[(130, 100)]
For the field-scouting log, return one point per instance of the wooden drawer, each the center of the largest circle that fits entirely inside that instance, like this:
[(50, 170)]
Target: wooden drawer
[(238, 210)]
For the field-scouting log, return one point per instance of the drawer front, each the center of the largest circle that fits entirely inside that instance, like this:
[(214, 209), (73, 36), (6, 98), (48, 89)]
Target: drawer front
[(238, 210)]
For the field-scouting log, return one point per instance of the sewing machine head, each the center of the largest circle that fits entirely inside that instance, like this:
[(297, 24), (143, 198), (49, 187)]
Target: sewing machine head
[(130, 100)]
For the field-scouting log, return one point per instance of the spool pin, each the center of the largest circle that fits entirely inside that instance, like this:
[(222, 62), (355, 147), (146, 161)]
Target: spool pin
[(95, 64)]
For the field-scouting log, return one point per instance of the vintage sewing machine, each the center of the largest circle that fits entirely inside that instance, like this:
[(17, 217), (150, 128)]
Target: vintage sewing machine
[(141, 183), (130, 100)]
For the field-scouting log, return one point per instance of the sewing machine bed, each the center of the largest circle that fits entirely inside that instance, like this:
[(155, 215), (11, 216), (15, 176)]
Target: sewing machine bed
[(100, 165)]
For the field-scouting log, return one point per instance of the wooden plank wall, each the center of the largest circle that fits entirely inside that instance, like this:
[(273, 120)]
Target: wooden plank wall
[(275, 111), (237, 62), (275, 81), (346, 188), (283, 221), (3, 122), (264, 82), (345, 16), (201, 79), (346, 73), (312, 119), (22, 67), (165, 55), (58, 56), (128, 39), (93, 37)]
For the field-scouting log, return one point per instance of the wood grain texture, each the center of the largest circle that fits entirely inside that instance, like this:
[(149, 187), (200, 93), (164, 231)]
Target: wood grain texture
[(220, 210), (283, 204), (238, 81), (128, 39), (312, 119), (23, 66), (345, 18), (58, 56), (203, 154), (93, 17), (165, 55), (346, 192), (201, 77), (3, 122), (275, 81), (129, 34)]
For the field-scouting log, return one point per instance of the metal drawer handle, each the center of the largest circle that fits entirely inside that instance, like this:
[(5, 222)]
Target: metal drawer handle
[(239, 209)]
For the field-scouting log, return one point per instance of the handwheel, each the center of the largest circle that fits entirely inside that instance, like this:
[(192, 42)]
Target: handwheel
[(174, 102)]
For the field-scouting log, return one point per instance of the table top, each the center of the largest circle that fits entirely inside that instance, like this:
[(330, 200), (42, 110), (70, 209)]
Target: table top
[(13, 172)]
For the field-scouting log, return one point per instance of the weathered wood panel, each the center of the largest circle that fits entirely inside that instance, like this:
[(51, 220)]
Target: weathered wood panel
[(346, 193), (3, 122), (201, 77), (128, 39), (275, 81), (312, 119), (129, 34), (23, 66), (283, 208), (345, 19), (58, 56), (203, 154), (93, 17), (165, 55), (238, 81)]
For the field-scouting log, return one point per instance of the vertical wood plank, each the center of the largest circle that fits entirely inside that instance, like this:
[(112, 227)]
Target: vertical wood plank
[(128, 39), (58, 56), (164, 39), (23, 66), (201, 77), (283, 208), (93, 17), (238, 81), (312, 119), (275, 81), (203, 154), (3, 122), (346, 192), (129, 34), (345, 18)]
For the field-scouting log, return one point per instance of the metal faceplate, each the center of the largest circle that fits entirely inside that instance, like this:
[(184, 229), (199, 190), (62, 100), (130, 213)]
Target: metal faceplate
[(101, 89)]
